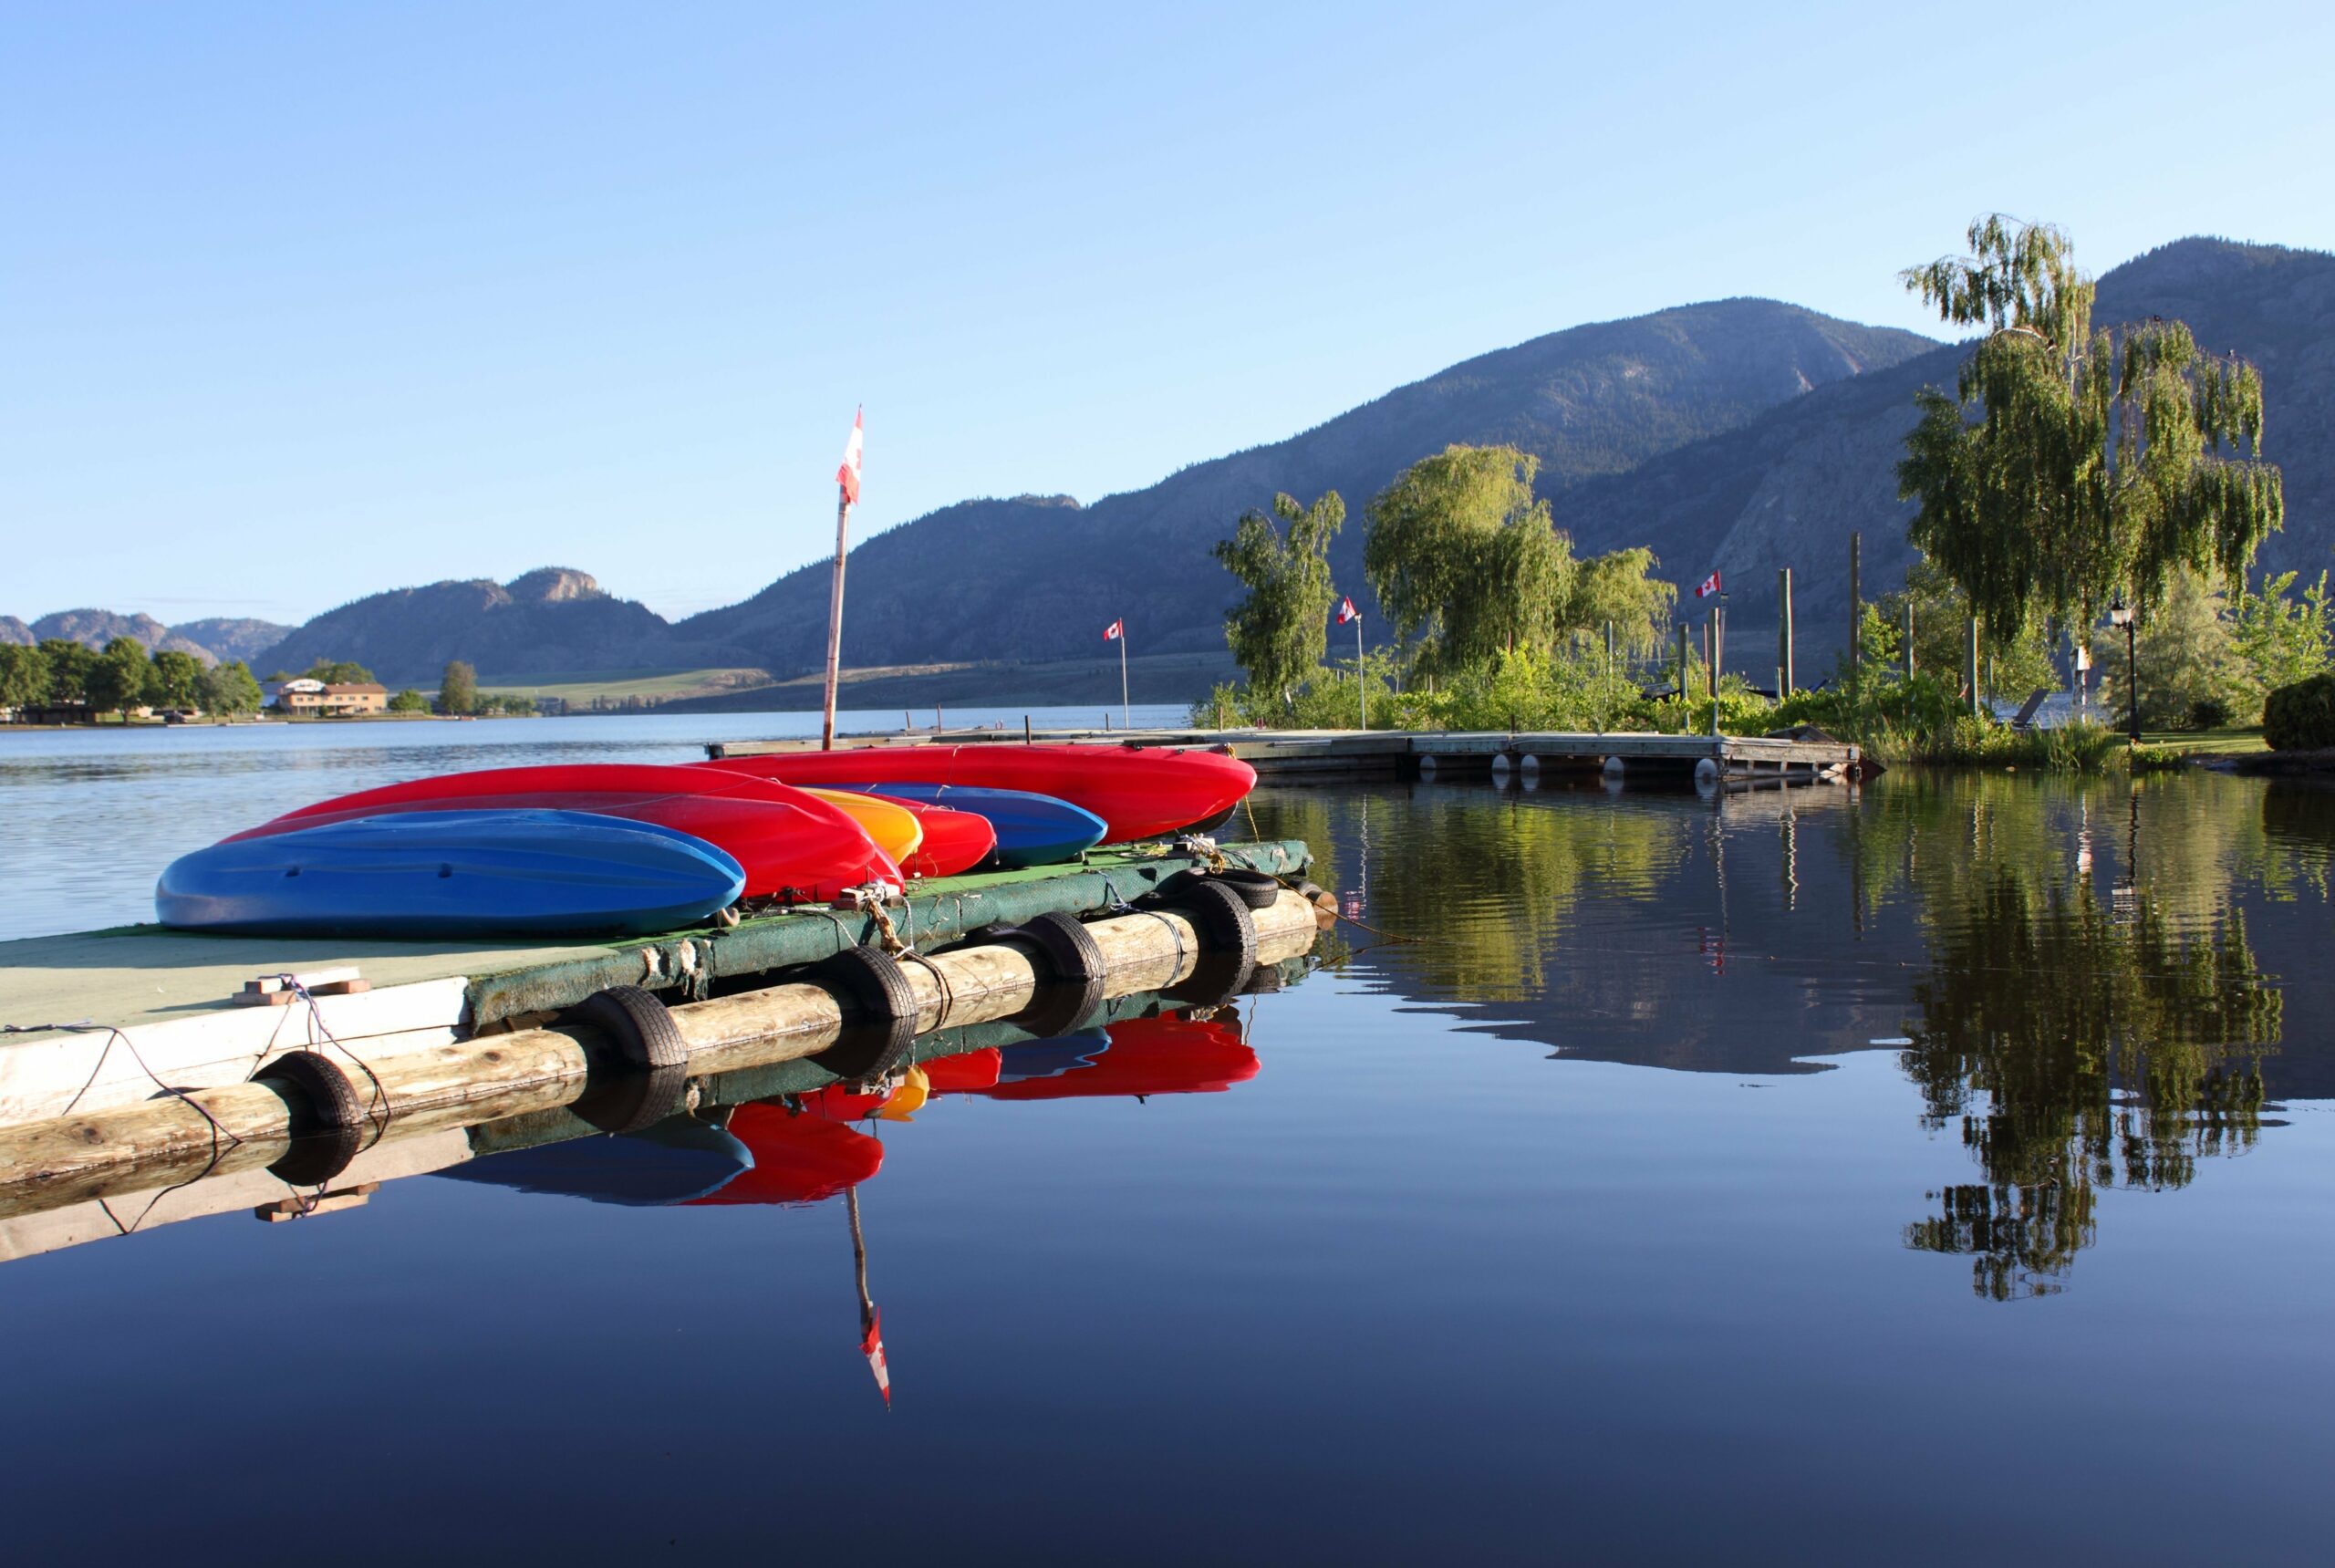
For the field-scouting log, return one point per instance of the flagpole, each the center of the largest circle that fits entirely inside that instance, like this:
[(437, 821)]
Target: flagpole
[(834, 623), (1361, 690), (1126, 721)]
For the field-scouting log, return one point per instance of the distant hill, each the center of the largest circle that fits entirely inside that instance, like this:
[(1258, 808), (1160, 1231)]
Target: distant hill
[(13, 630), (97, 628), (230, 637), (1787, 487), (553, 619), (1038, 579), (1743, 434)]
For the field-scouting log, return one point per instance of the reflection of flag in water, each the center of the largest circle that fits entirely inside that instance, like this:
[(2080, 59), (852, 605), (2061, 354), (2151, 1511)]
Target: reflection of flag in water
[(1714, 948), (871, 1345)]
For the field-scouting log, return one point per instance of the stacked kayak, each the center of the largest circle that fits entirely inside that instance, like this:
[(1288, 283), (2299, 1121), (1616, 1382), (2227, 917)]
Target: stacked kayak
[(1025, 829), (924, 838), (790, 845), (457, 874), (1138, 792)]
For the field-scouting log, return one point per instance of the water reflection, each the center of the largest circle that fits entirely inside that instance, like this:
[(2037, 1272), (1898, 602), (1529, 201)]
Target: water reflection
[(2079, 1045), (2093, 976), (807, 1149)]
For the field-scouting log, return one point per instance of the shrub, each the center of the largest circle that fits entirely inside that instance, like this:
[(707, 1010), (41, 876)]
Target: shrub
[(2301, 717)]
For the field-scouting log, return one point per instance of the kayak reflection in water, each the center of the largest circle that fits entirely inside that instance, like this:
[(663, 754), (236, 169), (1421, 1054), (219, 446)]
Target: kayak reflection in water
[(803, 1149)]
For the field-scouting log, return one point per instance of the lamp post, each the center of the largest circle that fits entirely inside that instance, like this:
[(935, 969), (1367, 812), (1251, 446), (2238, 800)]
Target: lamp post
[(2120, 614)]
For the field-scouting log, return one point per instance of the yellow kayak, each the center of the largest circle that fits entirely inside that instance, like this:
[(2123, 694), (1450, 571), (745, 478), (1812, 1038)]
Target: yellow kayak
[(892, 826)]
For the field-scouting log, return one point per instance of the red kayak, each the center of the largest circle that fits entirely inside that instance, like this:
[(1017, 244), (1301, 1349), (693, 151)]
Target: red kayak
[(1141, 792), (1163, 1056), (792, 845), (802, 1158), (954, 841)]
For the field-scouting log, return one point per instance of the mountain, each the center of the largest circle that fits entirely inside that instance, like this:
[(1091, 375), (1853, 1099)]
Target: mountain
[(1743, 434), (1786, 488), (550, 620), (13, 630), (1039, 578), (231, 637), (95, 627)]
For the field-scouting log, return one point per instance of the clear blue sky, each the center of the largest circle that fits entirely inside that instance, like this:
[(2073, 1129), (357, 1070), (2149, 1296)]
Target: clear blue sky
[(299, 301)]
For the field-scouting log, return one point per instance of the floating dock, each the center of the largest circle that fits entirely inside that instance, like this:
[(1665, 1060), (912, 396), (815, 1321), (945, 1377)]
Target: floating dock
[(139, 1058), (1302, 756)]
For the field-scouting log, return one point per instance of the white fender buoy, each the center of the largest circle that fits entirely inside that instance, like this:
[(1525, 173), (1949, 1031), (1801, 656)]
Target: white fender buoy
[(1613, 769), (1529, 765), (1706, 774), (1426, 766)]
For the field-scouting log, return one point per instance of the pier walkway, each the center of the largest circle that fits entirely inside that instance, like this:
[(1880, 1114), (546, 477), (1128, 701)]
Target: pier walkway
[(1299, 756)]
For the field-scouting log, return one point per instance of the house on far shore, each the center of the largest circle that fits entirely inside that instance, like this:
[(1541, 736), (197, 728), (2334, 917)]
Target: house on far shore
[(307, 699)]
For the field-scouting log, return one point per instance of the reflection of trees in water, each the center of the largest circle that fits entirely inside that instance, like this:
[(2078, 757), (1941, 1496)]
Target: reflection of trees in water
[(2195, 839), (2081, 1047), (1494, 877)]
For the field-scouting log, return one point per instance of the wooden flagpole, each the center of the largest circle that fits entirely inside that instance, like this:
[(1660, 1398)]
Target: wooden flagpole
[(1126, 719), (835, 622)]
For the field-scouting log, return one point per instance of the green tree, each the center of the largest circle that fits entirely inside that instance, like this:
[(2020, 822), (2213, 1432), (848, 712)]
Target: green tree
[(339, 672), (1941, 634), (1462, 557), (230, 689), (116, 679), (2190, 674), (1615, 588), (2075, 464), (1278, 632), (174, 680), (69, 665), (458, 688), (2279, 640), (24, 676), (409, 701)]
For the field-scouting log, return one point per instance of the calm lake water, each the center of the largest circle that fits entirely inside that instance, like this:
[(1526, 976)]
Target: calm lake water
[(1938, 1171)]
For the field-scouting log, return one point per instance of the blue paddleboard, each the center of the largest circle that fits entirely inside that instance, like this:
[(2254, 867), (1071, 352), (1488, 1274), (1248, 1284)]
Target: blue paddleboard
[(452, 874), (1032, 829)]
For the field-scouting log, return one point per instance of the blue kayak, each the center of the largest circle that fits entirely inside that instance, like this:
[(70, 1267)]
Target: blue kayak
[(458, 874), (1032, 829)]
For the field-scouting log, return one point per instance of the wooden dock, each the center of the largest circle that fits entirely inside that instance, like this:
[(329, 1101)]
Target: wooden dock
[(148, 1007), (1302, 756)]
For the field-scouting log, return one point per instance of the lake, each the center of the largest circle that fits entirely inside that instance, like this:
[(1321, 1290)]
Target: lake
[(1936, 1170)]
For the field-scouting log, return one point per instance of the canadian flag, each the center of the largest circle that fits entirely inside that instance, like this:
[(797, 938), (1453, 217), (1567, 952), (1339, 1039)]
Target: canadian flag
[(1709, 587), (1113, 632), (871, 1345), (848, 475), (1347, 611)]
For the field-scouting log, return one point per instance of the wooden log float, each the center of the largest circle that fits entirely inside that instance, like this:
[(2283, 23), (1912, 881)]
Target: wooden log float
[(246, 1125)]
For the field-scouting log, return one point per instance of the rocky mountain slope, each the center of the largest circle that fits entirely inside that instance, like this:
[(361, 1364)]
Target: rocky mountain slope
[(551, 619), (1787, 488), (1040, 577)]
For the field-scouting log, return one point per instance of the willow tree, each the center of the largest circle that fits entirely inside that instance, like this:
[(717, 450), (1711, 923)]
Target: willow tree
[(1278, 632), (2076, 465), (1615, 590), (1463, 557)]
